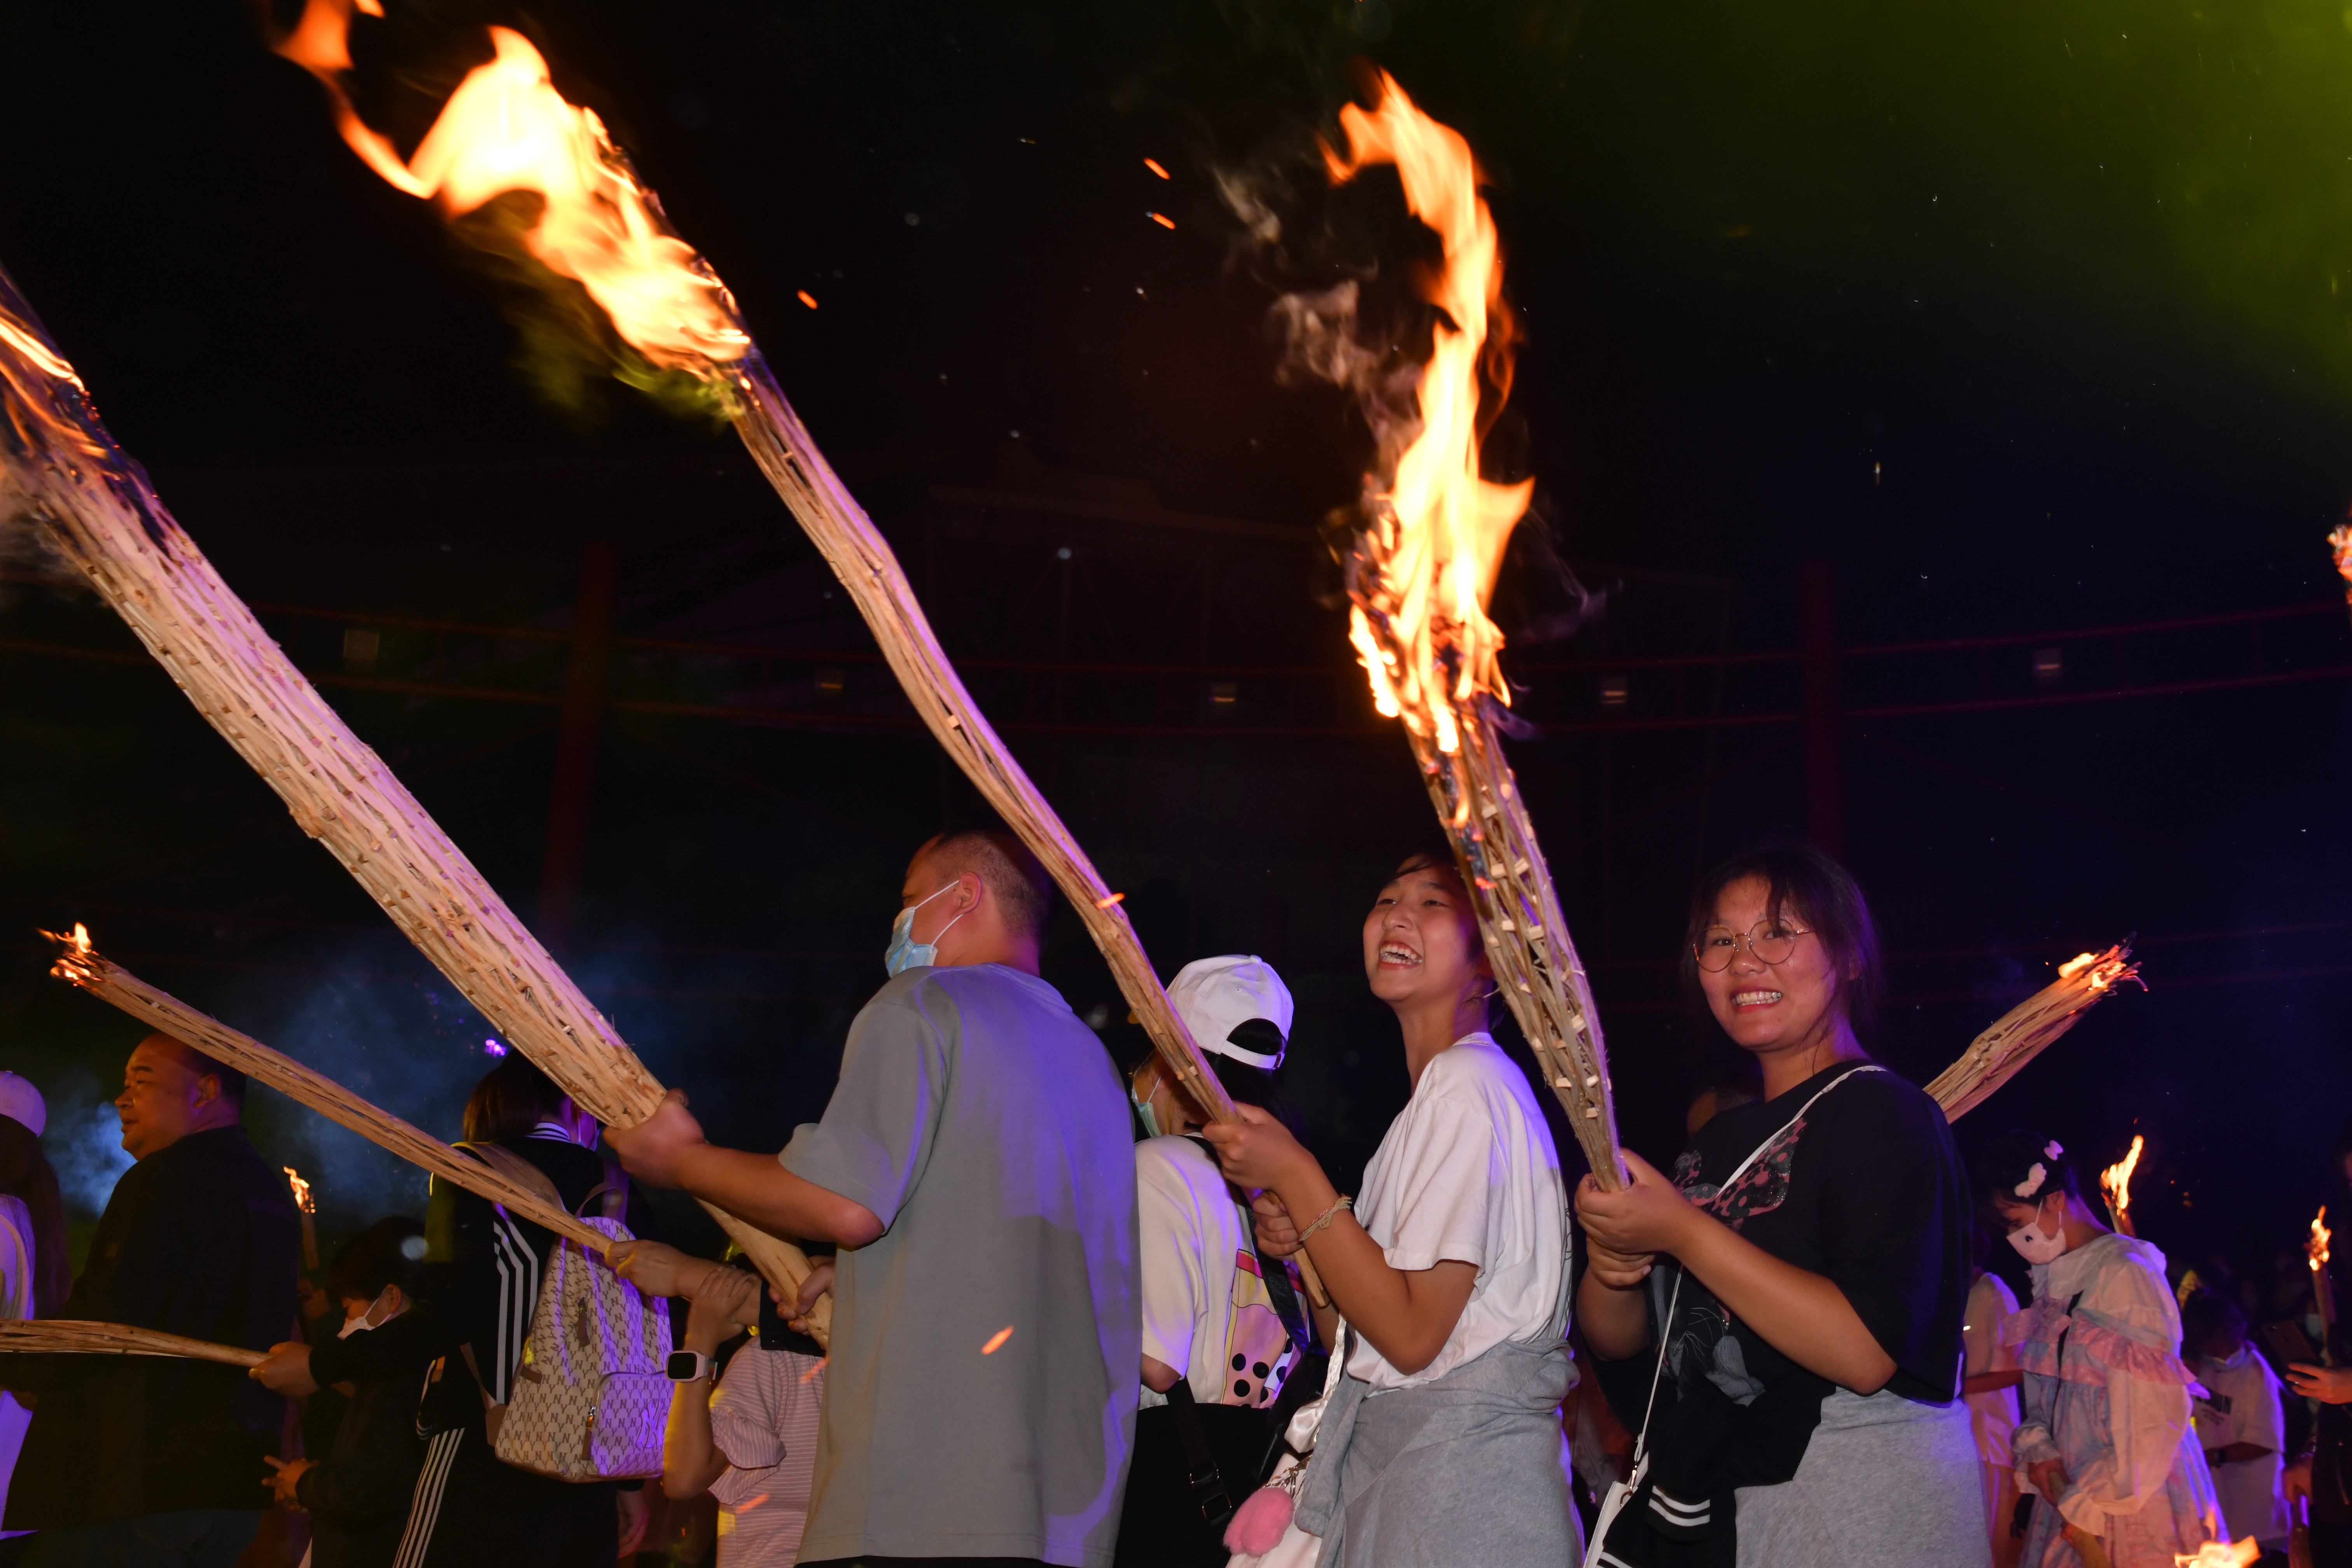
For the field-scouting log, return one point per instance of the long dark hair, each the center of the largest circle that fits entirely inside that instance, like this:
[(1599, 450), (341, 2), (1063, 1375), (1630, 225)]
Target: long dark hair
[(26, 1174), (1819, 891)]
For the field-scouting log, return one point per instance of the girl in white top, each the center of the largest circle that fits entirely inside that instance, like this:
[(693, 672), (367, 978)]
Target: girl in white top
[(1451, 1271), (1223, 1329)]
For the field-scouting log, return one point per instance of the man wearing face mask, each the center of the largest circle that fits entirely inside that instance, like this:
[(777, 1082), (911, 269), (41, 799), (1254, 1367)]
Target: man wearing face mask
[(358, 1493), (975, 1167), (2106, 1443), (144, 1462)]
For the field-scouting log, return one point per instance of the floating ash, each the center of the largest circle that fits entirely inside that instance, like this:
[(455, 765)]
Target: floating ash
[(2115, 1183)]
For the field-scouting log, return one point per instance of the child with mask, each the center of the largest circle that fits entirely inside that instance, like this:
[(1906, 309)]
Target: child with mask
[(2106, 1442), (357, 1496), (1225, 1326)]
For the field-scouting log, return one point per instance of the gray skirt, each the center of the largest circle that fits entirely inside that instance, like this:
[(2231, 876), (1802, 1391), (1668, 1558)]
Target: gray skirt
[(1884, 1480), (1462, 1470)]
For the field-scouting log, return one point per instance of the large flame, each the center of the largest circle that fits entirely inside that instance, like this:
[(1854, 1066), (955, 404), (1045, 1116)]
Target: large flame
[(2315, 1249), (1437, 536), (2222, 1554), (302, 1199), (507, 129), (75, 961), (2115, 1180)]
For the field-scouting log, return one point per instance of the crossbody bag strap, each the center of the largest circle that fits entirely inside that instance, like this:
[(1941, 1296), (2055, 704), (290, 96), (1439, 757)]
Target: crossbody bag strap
[(1665, 1327), (1200, 1473)]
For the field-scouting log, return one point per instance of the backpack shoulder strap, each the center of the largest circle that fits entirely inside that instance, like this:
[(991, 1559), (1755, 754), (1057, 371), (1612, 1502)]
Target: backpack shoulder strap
[(516, 1169)]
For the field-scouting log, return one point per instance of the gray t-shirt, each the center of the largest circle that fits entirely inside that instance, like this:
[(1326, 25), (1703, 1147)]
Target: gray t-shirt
[(980, 1400)]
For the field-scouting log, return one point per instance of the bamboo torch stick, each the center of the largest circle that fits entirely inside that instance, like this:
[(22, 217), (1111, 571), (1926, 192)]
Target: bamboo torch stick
[(1419, 572), (68, 1336), (668, 305), (2026, 1030), (83, 965), (92, 503)]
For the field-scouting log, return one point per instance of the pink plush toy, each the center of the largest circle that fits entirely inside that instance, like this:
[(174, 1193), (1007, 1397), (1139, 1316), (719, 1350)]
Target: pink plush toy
[(1259, 1522)]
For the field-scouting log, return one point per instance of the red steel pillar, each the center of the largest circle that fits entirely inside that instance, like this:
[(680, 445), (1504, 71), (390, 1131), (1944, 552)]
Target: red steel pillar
[(1824, 765), (575, 744)]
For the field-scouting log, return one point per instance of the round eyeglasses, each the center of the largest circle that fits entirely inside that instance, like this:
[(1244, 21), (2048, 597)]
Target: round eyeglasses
[(1768, 940)]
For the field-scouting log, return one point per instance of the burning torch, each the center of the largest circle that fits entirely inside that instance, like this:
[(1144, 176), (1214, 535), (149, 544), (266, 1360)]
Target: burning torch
[(309, 1209), (2322, 1290), (2116, 1182)]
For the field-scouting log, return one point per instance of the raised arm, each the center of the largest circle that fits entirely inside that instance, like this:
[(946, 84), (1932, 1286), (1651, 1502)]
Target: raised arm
[(724, 1300), (669, 1150)]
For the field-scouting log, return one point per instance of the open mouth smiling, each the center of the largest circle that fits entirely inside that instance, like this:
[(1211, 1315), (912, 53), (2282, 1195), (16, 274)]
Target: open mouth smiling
[(1743, 1000), (1393, 956)]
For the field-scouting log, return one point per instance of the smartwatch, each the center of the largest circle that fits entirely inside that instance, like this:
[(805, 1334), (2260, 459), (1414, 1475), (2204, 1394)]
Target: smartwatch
[(689, 1366)]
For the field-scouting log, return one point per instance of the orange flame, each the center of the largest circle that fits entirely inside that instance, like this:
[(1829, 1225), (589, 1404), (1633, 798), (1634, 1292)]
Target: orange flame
[(1437, 537), (996, 1341), (1153, 164), (2339, 541), (2115, 1180), (2315, 1249), (302, 1199), (2222, 1554), (2076, 965), (73, 964), (507, 129)]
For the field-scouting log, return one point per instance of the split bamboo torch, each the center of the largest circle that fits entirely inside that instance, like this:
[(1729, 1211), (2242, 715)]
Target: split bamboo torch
[(506, 128), (92, 503), (1419, 573), (2031, 1027), (81, 965), (69, 1336)]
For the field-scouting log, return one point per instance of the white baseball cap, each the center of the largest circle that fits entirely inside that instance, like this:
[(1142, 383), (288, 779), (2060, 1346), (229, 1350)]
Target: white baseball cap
[(1215, 996), (20, 1102)]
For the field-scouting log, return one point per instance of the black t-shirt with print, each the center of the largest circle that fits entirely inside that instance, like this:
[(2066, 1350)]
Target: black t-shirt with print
[(1865, 1189)]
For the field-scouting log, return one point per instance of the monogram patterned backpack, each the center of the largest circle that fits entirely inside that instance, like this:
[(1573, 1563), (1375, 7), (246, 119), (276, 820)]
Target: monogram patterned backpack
[(588, 1401)]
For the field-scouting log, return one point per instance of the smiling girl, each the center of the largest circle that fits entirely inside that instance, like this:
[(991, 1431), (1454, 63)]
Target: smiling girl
[(1808, 1261), (1442, 1445)]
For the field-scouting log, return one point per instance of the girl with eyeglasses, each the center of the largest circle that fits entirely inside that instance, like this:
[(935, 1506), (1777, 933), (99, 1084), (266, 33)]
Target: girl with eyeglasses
[(1786, 1307)]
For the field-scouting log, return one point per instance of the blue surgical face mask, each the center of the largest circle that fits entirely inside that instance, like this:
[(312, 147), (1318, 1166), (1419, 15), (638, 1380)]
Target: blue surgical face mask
[(904, 952), (1143, 1108)]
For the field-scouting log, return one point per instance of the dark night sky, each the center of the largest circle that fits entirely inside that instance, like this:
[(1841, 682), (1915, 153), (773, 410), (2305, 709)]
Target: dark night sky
[(2027, 317)]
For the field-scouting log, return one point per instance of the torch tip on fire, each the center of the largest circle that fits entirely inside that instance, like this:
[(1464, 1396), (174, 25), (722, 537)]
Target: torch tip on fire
[(2115, 1180), (2076, 965), (2317, 1248), (2222, 1554)]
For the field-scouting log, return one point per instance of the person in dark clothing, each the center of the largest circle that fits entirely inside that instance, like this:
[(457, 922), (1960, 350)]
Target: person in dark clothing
[(358, 1495), (2324, 1475), (476, 1295), (152, 1462)]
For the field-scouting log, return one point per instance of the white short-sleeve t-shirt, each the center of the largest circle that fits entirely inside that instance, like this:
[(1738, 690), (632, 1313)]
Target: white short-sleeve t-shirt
[(1187, 1232), (1468, 1172)]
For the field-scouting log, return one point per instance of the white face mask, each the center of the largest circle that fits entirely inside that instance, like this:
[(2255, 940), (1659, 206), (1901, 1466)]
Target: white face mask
[(360, 1324), (2037, 1245)]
